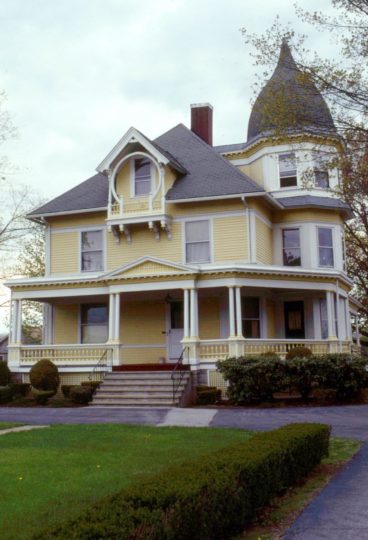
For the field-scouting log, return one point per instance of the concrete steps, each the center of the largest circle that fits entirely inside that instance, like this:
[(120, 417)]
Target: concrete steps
[(140, 388)]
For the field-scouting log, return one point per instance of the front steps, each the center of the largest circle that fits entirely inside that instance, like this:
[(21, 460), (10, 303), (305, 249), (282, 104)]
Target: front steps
[(142, 388)]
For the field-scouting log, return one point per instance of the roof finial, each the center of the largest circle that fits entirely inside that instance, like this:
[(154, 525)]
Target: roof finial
[(286, 58)]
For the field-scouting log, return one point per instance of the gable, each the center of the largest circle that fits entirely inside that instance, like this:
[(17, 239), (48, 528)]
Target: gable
[(150, 267)]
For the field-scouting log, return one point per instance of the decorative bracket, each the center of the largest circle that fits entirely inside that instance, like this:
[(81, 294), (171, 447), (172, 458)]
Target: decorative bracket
[(124, 229), (114, 229), (166, 225), (155, 228)]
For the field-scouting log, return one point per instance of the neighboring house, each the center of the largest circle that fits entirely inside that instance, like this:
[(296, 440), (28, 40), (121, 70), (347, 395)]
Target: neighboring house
[(3, 347), (175, 243)]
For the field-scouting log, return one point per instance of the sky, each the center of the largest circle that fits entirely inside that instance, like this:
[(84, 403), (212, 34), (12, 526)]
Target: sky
[(79, 73)]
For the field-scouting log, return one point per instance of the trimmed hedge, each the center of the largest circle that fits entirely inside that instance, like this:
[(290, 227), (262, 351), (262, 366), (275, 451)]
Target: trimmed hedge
[(257, 378), (65, 388), (44, 375), (5, 374), (6, 394), (81, 394), (42, 396), (91, 384), (207, 395), (211, 498), (20, 389)]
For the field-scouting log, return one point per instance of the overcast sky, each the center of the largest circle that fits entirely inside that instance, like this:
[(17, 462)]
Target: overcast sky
[(79, 73)]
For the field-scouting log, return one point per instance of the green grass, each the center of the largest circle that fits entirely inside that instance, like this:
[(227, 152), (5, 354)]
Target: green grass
[(49, 475), (278, 517), (7, 425)]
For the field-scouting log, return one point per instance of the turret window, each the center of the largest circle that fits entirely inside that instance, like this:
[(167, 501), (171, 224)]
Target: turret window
[(287, 170), (321, 177), (291, 251), (142, 177), (325, 247)]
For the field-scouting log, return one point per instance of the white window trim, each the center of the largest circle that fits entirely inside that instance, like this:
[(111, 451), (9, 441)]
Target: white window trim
[(332, 229), (296, 168), (184, 251), (291, 228), (132, 178), (103, 250)]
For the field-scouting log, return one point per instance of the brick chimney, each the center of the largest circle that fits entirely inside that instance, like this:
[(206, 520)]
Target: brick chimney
[(201, 121)]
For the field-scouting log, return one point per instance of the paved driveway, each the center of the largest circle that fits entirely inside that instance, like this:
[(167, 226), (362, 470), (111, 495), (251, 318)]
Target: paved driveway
[(340, 512)]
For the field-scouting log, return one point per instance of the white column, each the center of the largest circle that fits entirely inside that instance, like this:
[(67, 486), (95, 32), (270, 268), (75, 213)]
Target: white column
[(47, 324), (239, 326), (117, 318), (111, 316), (357, 330), (330, 315), (193, 313), (186, 313), (347, 319), (231, 312), (18, 337)]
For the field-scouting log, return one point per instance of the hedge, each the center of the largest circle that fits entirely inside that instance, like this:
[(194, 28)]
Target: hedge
[(81, 394), (211, 498), (5, 374), (207, 395)]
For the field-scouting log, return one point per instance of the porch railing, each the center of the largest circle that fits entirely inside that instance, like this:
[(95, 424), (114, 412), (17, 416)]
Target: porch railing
[(62, 354), (102, 367)]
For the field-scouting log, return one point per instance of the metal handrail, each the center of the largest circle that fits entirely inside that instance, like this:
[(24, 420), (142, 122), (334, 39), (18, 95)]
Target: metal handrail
[(178, 368), (102, 366)]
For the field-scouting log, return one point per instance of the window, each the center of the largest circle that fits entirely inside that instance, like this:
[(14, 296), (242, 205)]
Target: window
[(291, 252), (142, 177), (92, 252), (325, 247), (250, 317), (321, 177), (94, 323), (287, 170), (197, 241)]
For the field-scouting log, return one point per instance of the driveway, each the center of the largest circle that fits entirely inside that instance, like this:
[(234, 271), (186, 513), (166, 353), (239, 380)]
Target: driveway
[(340, 512)]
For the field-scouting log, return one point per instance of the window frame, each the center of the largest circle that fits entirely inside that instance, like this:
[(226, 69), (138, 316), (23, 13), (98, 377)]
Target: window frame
[(209, 241), (332, 247), (81, 324), (244, 300), (320, 167), (291, 176), (283, 229), (133, 177), (102, 250)]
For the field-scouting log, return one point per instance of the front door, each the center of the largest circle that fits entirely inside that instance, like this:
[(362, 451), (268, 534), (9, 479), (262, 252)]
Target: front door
[(175, 332), (294, 320)]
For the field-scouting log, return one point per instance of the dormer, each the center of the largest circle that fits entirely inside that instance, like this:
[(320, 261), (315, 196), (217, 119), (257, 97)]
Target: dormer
[(139, 173)]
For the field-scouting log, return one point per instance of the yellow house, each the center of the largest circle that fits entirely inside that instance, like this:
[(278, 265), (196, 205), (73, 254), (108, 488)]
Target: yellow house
[(177, 249)]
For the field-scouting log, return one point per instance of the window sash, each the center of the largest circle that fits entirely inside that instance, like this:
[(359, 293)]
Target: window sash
[(91, 251), (288, 170), (197, 241), (325, 247), (94, 323), (142, 177), (291, 250)]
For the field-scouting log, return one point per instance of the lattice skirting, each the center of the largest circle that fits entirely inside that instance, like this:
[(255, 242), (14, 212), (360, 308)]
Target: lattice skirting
[(216, 379)]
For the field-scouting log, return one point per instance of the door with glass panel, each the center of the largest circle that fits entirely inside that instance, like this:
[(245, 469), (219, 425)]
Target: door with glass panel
[(294, 320), (175, 331)]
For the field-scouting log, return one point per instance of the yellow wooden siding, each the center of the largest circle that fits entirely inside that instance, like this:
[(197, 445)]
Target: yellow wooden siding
[(143, 323), (65, 253), (257, 204), (79, 220), (66, 323), (271, 322), (263, 242), (254, 170), (145, 355), (209, 318), (124, 187), (308, 215), (230, 236), (144, 244), (205, 207)]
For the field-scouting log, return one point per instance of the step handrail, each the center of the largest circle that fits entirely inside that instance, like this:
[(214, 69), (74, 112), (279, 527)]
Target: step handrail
[(103, 365), (178, 368)]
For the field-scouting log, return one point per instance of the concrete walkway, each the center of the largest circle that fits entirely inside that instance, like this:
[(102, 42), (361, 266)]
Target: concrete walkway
[(340, 512)]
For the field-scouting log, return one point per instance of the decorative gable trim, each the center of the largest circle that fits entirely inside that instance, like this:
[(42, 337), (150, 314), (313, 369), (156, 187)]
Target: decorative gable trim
[(150, 266)]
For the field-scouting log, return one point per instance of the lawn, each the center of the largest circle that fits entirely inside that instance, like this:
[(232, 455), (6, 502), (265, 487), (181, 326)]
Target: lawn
[(52, 474)]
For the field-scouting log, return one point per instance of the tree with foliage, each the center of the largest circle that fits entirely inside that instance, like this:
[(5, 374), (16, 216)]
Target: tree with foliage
[(343, 81)]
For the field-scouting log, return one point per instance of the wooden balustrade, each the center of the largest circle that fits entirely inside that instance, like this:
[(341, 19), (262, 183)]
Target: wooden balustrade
[(62, 354)]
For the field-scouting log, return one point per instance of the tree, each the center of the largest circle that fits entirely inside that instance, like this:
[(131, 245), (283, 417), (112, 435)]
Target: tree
[(344, 84)]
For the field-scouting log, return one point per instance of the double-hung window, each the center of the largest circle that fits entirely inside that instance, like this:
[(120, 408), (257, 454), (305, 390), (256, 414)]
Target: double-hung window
[(287, 170), (197, 241), (325, 247), (291, 252), (321, 177), (251, 317), (94, 323), (91, 251), (142, 177)]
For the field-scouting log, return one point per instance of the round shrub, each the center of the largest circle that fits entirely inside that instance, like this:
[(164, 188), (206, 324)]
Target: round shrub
[(42, 396), (91, 384), (44, 375), (6, 394), (5, 374), (81, 394), (299, 352), (207, 395)]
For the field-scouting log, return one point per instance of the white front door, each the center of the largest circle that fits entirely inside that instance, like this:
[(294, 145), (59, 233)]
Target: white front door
[(175, 331)]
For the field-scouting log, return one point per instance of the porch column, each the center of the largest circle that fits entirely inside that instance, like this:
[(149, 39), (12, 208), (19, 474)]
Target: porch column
[(117, 318), (186, 313), (111, 316), (18, 335), (47, 324), (194, 313), (330, 315), (231, 312), (239, 326)]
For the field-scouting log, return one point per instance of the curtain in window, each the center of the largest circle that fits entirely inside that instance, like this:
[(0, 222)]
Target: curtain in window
[(197, 236)]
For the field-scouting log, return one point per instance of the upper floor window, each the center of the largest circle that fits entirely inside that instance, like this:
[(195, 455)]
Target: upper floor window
[(287, 170), (291, 251), (142, 176), (321, 177), (197, 241), (94, 323), (251, 317), (92, 251), (325, 247)]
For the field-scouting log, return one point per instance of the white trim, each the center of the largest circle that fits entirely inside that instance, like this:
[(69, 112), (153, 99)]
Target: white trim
[(211, 240), (219, 197), (78, 228), (149, 259), (67, 212), (103, 250), (133, 157)]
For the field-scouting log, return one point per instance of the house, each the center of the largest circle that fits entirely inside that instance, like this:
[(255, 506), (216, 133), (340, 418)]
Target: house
[(176, 248)]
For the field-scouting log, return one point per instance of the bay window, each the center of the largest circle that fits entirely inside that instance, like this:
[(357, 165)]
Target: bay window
[(94, 323), (291, 252), (197, 241), (325, 247), (91, 251)]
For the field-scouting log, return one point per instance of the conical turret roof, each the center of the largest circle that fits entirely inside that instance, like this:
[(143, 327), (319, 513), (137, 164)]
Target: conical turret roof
[(290, 102)]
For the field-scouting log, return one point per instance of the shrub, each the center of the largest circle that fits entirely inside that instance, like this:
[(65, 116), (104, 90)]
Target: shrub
[(253, 377), (5, 374), (299, 352), (65, 388), (305, 374), (42, 396), (270, 355), (213, 497), (345, 374), (20, 389), (81, 394), (207, 395), (6, 394), (91, 384), (44, 375)]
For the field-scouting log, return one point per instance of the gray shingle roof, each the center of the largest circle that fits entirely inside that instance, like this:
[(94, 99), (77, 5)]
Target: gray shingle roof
[(313, 201), (291, 91), (209, 174), (92, 193)]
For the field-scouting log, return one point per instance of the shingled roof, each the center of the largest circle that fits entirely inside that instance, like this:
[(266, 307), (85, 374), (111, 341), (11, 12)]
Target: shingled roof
[(289, 102), (209, 174), (312, 201)]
